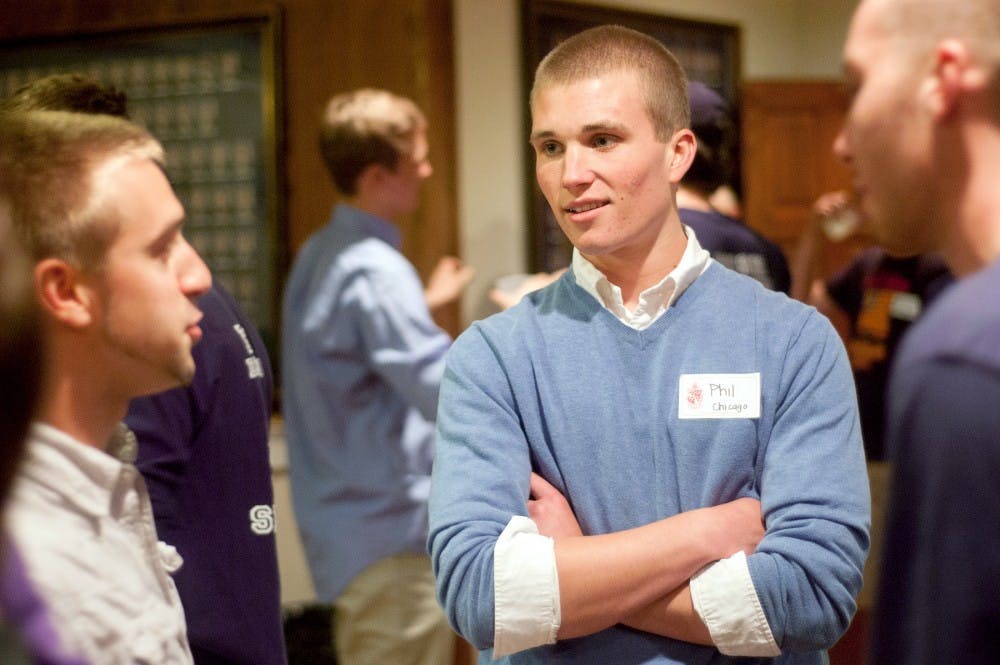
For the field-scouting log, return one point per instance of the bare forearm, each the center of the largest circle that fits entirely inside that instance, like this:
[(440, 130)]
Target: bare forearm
[(808, 253), (672, 616), (604, 579)]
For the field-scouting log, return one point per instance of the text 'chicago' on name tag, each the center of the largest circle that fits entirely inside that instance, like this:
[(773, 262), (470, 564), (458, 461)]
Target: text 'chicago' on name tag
[(719, 396)]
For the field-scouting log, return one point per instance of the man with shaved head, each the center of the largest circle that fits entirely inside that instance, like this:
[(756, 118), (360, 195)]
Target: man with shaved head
[(654, 459), (923, 138)]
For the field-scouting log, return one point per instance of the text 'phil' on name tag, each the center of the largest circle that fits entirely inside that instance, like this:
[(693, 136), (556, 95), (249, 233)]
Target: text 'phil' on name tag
[(719, 396)]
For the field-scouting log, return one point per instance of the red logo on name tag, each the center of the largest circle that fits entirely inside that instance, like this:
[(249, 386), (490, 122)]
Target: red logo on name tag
[(694, 396)]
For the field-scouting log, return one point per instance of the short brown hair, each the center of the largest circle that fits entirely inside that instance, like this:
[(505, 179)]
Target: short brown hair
[(68, 92), (613, 48), (51, 163), (366, 127)]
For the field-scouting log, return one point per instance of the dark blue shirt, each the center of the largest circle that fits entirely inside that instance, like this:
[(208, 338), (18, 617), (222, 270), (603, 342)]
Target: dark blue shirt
[(941, 559), (203, 451), (737, 246)]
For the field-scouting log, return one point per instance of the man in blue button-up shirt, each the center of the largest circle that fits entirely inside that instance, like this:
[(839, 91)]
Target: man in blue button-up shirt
[(362, 364)]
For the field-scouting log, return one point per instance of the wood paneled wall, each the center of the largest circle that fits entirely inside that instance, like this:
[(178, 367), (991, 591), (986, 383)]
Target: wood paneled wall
[(326, 47)]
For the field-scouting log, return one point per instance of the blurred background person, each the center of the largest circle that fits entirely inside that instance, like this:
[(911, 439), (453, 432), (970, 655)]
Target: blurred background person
[(26, 631), (727, 239), (20, 349), (872, 301), (362, 363)]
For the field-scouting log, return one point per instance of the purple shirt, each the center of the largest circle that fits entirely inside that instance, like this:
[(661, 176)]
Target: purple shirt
[(25, 612), (203, 451), (737, 246)]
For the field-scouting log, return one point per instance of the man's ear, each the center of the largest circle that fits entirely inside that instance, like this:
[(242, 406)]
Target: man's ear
[(954, 73), (681, 152), (372, 176), (63, 293)]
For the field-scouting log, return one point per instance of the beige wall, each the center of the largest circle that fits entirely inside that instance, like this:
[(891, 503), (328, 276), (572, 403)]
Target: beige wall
[(296, 584), (780, 39)]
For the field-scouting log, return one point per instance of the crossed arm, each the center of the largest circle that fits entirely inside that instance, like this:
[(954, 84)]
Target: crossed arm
[(507, 588), (639, 577)]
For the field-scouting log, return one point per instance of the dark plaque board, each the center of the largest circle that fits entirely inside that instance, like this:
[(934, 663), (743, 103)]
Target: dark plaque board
[(207, 92)]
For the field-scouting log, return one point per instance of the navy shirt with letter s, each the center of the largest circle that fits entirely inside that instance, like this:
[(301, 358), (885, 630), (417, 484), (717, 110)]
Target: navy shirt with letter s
[(203, 451)]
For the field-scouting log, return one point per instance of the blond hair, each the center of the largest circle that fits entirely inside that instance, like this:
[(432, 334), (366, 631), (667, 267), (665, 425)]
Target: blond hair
[(366, 127), (53, 171)]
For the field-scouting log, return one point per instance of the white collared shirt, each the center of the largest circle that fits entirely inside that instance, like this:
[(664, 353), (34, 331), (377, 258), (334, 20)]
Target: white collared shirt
[(653, 301), (84, 526), (527, 609)]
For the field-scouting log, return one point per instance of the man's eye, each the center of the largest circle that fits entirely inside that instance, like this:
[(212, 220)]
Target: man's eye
[(603, 141), (549, 148), (163, 247)]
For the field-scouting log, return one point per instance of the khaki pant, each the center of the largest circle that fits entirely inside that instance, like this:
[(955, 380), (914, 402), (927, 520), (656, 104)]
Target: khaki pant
[(388, 615)]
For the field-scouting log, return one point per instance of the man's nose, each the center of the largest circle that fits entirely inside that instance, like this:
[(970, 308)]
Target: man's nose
[(425, 169), (194, 276), (576, 167)]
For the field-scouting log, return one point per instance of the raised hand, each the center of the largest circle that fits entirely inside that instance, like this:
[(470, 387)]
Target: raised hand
[(447, 281)]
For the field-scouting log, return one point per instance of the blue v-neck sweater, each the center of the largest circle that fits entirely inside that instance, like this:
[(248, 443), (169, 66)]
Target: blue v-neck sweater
[(558, 385)]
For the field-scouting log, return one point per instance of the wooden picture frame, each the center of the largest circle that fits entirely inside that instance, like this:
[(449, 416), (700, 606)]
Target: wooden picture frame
[(208, 91), (709, 52)]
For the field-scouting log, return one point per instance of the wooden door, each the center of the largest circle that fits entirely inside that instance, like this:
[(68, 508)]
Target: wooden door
[(788, 129)]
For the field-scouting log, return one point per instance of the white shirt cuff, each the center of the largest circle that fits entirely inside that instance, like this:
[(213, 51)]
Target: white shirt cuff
[(525, 589), (724, 597)]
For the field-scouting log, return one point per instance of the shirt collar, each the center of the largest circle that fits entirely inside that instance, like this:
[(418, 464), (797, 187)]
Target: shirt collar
[(653, 301), (367, 224), (85, 476)]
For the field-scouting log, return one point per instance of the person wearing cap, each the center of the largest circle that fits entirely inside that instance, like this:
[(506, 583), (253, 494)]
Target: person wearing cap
[(728, 240)]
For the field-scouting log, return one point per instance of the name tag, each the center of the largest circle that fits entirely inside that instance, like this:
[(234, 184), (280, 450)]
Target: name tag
[(719, 396)]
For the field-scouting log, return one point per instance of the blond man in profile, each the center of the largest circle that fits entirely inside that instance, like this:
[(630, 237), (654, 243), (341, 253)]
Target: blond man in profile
[(117, 284)]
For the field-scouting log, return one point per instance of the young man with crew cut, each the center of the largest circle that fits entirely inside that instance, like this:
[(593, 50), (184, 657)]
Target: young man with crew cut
[(655, 459)]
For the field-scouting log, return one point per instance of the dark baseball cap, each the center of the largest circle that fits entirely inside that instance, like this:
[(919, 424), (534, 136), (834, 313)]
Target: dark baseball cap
[(707, 106)]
